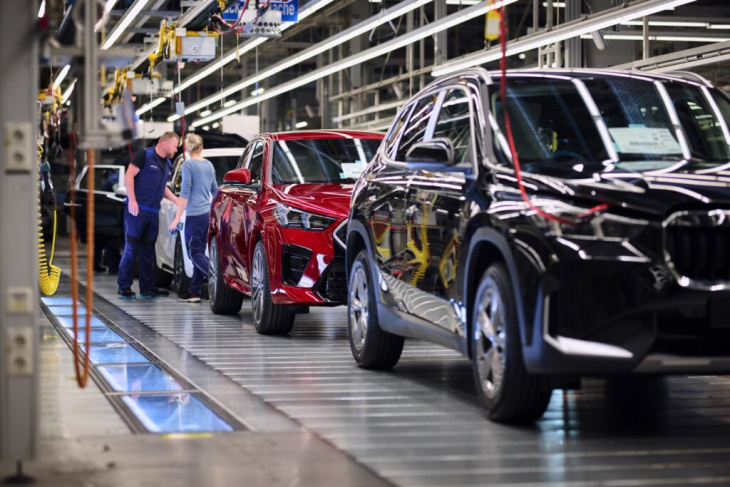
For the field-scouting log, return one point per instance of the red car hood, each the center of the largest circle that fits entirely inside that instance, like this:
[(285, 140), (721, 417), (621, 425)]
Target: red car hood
[(330, 199)]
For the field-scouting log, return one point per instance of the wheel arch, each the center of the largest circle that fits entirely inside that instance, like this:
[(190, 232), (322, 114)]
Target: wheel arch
[(486, 247)]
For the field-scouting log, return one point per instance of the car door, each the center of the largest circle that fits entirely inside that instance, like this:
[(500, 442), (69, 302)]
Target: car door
[(435, 214), (387, 214), (109, 211), (165, 245), (239, 196)]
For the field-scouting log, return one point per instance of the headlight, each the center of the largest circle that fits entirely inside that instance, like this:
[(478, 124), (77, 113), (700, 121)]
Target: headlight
[(606, 225), (289, 217)]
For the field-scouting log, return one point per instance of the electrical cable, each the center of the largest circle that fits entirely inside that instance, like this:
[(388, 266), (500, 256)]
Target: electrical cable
[(49, 275), (82, 380), (511, 140)]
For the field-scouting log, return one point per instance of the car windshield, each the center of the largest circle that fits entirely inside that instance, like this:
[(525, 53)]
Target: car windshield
[(321, 160), (643, 125)]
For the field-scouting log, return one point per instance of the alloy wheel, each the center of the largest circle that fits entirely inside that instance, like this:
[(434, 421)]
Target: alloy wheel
[(489, 333), (257, 286), (213, 270), (358, 309)]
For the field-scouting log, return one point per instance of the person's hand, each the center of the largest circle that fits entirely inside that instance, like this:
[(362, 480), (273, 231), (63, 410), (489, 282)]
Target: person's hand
[(174, 224), (133, 208)]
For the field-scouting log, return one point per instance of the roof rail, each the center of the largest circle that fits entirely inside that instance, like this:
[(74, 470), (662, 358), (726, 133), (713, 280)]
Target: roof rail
[(689, 75)]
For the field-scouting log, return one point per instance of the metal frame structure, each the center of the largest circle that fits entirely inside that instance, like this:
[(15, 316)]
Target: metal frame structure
[(18, 231)]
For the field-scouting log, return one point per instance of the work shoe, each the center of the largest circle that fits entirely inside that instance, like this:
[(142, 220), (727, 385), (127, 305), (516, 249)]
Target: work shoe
[(126, 293), (189, 298), (154, 293)]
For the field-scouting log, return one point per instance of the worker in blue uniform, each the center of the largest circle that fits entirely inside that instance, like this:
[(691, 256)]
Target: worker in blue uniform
[(146, 181)]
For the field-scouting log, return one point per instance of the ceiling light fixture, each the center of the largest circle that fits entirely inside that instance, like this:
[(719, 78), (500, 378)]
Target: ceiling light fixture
[(402, 41), (124, 22), (61, 76), (149, 106), (67, 94), (568, 30), (208, 112), (659, 37), (341, 38), (300, 125)]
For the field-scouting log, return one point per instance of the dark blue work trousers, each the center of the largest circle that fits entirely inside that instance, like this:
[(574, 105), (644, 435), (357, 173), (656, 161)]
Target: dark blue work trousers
[(140, 237), (196, 233)]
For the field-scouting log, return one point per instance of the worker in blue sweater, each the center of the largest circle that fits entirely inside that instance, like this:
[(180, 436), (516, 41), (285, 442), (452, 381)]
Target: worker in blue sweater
[(198, 188)]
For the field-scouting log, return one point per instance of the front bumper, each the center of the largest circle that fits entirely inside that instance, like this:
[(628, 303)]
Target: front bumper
[(311, 268), (675, 331)]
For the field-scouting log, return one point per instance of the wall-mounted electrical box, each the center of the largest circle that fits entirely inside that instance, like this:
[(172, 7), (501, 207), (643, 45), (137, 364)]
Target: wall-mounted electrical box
[(190, 46)]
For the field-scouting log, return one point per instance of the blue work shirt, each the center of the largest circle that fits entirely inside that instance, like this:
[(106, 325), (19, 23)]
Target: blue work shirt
[(150, 182)]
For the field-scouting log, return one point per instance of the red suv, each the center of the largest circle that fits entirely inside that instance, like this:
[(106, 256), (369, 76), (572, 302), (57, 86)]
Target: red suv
[(278, 225)]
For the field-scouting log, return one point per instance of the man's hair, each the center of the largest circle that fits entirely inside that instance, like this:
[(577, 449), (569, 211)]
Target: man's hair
[(169, 135)]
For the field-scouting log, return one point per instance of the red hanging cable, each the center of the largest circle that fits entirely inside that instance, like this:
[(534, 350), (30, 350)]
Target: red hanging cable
[(511, 139)]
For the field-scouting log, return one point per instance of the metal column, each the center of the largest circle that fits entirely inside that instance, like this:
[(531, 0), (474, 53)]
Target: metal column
[(18, 230)]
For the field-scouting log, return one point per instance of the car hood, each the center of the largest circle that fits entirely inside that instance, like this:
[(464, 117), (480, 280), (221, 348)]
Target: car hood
[(330, 199), (655, 194)]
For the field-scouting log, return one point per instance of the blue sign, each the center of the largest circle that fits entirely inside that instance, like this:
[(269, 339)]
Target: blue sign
[(289, 10), (231, 13)]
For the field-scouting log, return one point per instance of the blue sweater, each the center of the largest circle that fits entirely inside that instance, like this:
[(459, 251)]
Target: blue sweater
[(198, 186)]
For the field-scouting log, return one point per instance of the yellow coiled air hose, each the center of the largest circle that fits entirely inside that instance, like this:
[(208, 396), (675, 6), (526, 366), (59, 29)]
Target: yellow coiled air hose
[(48, 274)]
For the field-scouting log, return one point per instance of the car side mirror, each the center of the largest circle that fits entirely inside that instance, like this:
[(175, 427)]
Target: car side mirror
[(431, 155), (238, 176)]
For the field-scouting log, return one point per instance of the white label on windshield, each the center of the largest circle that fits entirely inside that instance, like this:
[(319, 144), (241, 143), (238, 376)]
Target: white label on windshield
[(642, 140), (352, 170)]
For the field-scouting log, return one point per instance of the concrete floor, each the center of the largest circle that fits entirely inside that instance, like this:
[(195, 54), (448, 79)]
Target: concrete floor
[(313, 418)]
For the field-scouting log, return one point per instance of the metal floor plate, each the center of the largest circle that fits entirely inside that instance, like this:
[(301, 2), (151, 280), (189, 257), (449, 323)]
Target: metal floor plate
[(420, 425)]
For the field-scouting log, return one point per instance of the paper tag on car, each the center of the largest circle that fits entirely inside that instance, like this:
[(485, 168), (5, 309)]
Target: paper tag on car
[(352, 170), (643, 140)]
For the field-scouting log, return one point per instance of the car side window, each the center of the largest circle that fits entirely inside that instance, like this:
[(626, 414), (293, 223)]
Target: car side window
[(415, 129), (396, 130), (257, 163), (177, 179), (243, 161), (105, 179), (454, 123)]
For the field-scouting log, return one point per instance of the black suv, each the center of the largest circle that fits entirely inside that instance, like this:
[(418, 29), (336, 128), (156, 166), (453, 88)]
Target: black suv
[(612, 256)]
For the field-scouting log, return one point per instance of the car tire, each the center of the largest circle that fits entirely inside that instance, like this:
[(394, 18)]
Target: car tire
[(507, 391), (222, 299), (162, 277), (268, 318), (181, 279), (372, 347)]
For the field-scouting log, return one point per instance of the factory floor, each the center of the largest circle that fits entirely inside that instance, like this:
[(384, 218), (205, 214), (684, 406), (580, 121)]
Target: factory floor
[(237, 408)]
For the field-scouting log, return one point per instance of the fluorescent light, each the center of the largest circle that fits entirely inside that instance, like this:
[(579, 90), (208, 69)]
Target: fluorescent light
[(207, 127), (256, 92), (42, 10), (229, 103), (124, 22), (61, 76), (363, 56), (300, 125), (659, 37), (67, 94), (247, 46), (205, 113), (463, 2), (719, 26), (574, 28), (341, 38), (149, 106), (668, 23), (555, 4), (172, 118), (216, 125)]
